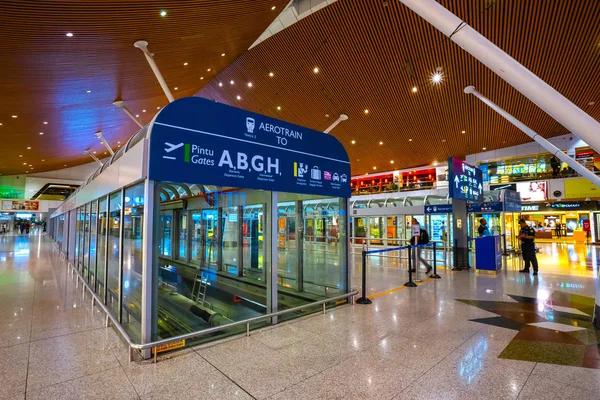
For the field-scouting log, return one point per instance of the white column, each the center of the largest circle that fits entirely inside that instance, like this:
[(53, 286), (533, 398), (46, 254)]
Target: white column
[(543, 95), (581, 170), (150, 262), (272, 247)]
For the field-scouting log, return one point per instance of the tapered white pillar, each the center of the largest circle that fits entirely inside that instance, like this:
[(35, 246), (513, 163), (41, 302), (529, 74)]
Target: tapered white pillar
[(543, 95), (143, 46), (580, 169)]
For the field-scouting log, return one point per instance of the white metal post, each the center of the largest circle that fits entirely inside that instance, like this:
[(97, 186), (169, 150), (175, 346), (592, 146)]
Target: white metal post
[(272, 265), (543, 95), (149, 263), (143, 46), (341, 118), (580, 169), (122, 106)]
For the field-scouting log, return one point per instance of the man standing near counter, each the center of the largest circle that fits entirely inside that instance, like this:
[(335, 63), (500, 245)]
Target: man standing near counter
[(527, 237)]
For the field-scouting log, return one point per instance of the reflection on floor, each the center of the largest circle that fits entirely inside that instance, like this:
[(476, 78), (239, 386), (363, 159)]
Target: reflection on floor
[(556, 330)]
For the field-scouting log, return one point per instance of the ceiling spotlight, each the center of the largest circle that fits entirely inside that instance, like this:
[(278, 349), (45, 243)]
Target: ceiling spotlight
[(272, 8), (443, 140), (414, 89), (316, 70), (43, 160), (29, 148), (163, 13), (591, 103), (143, 110), (463, 132), (24, 163), (238, 97), (410, 140), (278, 108), (185, 64), (353, 142), (380, 143), (20, 155), (271, 74), (65, 165), (208, 70), (41, 133), (45, 122), (485, 148), (249, 84), (176, 88), (88, 91), (158, 108), (221, 84), (374, 167), (392, 161), (14, 116), (69, 34), (0, 123), (201, 78), (137, 115), (231, 82), (366, 111), (222, 54), (438, 76)]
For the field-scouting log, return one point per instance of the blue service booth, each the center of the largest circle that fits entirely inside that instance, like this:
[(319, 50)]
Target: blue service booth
[(211, 215), (488, 253)]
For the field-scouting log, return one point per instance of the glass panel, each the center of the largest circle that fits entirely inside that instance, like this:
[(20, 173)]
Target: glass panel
[(376, 230), (93, 240), (77, 232), (133, 223), (197, 239), (86, 240), (166, 225), (182, 255), (114, 234), (392, 231), (253, 246), (101, 248), (230, 245)]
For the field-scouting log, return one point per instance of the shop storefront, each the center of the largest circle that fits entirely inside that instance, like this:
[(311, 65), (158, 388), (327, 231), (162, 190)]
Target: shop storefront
[(571, 220)]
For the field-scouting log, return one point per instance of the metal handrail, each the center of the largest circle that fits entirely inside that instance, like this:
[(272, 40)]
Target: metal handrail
[(191, 335)]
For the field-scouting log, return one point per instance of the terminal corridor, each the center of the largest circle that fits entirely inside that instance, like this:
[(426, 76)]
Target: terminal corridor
[(464, 336)]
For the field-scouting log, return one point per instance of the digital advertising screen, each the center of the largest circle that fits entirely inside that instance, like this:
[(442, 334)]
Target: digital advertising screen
[(533, 190), (465, 181)]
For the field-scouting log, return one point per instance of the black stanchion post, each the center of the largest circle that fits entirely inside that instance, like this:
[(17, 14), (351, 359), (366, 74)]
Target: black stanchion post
[(455, 267), (434, 275), (410, 282), (364, 299), (504, 244)]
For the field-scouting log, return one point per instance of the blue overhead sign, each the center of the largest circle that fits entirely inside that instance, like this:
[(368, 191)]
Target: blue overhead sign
[(194, 140), (512, 200), (439, 209), (464, 181)]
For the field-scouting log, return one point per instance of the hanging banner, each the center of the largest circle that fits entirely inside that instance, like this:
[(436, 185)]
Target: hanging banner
[(199, 141), (20, 205)]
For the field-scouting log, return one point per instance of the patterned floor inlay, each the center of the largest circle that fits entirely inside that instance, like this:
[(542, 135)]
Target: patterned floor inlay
[(557, 330)]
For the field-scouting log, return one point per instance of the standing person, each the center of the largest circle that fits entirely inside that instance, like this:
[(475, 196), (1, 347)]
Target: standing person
[(27, 227), (558, 228), (444, 233), (527, 237), (4, 227), (419, 236), (483, 229), (555, 166), (21, 227)]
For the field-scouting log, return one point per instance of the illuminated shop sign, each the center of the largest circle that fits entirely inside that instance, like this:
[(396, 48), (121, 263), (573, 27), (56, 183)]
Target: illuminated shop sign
[(532, 190), (465, 181), (531, 207), (195, 140), (566, 206)]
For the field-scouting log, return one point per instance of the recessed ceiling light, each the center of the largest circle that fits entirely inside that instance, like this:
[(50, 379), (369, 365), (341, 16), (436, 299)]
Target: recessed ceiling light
[(437, 77), (316, 70), (65, 165), (391, 161), (176, 88), (0, 123), (366, 111), (88, 91), (272, 8), (94, 152), (118, 142), (43, 160), (29, 148), (414, 89), (14, 116), (201, 78), (208, 70), (185, 64), (24, 163), (380, 143), (222, 54), (278, 108), (143, 110), (137, 115), (249, 84), (485, 148), (69, 34), (435, 163), (443, 140), (158, 108), (374, 167), (591, 103), (353, 142), (20, 155), (221, 84), (45, 122), (271, 74), (41, 133), (163, 13), (231, 82), (238, 97)]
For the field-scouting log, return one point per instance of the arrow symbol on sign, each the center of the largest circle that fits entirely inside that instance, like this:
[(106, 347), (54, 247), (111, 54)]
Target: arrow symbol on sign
[(480, 186), (456, 181), (428, 209)]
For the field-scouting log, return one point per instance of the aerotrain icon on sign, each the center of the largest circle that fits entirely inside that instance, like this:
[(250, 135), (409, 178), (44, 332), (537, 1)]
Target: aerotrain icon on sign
[(250, 123), (170, 147)]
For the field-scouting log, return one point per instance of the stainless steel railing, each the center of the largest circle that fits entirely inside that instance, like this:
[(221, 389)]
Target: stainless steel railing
[(153, 345)]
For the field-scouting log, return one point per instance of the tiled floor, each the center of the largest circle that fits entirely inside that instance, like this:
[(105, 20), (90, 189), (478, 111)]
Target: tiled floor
[(416, 343)]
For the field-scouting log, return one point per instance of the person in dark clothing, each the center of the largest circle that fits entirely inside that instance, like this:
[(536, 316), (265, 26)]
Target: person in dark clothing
[(483, 229), (555, 166), (527, 237), (21, 227), (27, 227), (558, 229)]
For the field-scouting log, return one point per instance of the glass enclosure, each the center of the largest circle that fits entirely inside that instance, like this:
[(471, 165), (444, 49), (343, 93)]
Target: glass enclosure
[(114, 253)]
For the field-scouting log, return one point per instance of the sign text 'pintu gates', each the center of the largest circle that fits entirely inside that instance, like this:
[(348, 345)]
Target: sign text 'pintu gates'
[(194, 140)]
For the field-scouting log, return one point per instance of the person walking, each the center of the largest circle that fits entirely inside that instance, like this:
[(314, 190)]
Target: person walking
[(483, 229), (27, 227), (527, 237), (21, 227), (419, 236), (555, 165)]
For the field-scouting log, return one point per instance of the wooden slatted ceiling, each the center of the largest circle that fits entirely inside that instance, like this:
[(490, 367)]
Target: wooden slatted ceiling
[(44, 75), (365, 52)]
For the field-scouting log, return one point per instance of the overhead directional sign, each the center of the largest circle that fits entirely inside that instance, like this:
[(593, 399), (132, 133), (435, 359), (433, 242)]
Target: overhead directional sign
[(439, 209), (465, 181), (198, 141)]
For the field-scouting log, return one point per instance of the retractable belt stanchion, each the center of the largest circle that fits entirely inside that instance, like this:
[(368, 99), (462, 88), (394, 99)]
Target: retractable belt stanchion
[(363, 299), (410, 282), (455, 267), (434, 275)]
